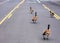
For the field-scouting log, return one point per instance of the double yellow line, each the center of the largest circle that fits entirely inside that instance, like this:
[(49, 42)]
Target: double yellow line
[(55, 15), (10, 13)]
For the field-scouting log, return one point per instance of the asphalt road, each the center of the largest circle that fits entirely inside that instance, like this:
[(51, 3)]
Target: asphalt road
[(6, 7), (55, 6), (20, 29)]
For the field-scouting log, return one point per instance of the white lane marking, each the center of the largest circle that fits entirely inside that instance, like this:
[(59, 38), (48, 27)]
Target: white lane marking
[(38, 1)]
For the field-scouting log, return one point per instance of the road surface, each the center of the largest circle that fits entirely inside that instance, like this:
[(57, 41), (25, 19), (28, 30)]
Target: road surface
[(19, 27)]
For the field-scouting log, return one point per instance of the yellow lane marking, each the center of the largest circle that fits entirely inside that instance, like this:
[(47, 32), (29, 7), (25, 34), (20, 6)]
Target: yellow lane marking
[(9, 16), (10, 13), (55, 15), (46, 7)]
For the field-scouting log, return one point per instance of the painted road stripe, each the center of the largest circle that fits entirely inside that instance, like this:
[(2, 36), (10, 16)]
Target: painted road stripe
[(55, 15), (38, 1), (10, 13)]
